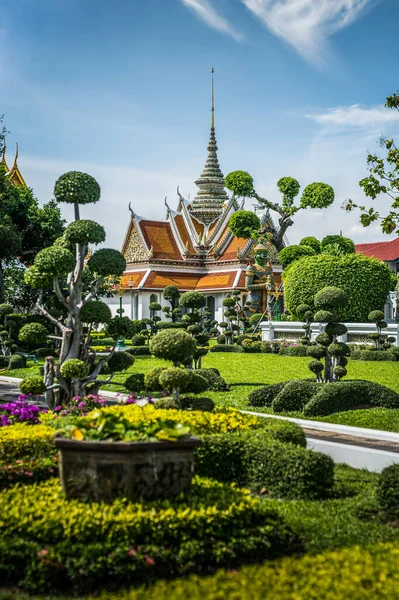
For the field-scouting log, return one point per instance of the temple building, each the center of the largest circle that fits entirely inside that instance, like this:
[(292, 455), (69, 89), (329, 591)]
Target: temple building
[(192, 248), (14, 174)]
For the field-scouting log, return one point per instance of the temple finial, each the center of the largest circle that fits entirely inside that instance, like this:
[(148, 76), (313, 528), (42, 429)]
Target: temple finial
[(16, 154), (213, 100)]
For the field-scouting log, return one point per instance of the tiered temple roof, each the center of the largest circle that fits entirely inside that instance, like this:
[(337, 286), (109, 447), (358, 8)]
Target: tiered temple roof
[(14, 173), (193, 248)]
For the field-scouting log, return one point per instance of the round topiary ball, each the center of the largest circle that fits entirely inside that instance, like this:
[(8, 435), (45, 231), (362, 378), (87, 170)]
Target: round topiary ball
[(54, 260), (316, 352), (302, 309), (75, 187), (316, 366), (338, 349), (340, 371), (375, 316), (96, 312), (168, 403), (317, 195), (73, 367), (324, 339), (336, 329), (120, 361), (32, 385), (192, 300), (194, 329), (33, 333), (107, 261), (173, 344), (135, 383), (155, 306), (312, 242), (173, 378), (293, 253), (244, 224), (388, 491), (331, 298), (196, 383), (289, 187), (37, 280), (151, 379), (324, 316), (5, 309), (195, 403), (84, 232), (241, 183)]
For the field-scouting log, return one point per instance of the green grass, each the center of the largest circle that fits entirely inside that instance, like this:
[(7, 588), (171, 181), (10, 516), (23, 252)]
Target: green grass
[(246, 372)]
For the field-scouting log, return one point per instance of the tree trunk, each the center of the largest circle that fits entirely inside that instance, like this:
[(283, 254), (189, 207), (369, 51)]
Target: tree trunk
[(1, 283)]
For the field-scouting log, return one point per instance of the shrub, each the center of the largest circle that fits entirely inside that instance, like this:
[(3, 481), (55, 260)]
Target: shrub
[(293, 350), (294, 395), (27, 470), (170, 325), (388, 491), (196, 383), (365, 280), (177, 345), (4, 361), (293, 253), (225, 348), (357, 573), (312, 242), (73, 368), (95, 311), (376, 355), (120, 361), (107, 261), (32, 385), (138, 340), (23, 441), (221, 339), (214, 525), (167, 403), (195, 403), (33, 333), (77, 188), (348, 395), (255, 460), (216, 383), (244, 223), (43, 352), (151, 379), (16, 361), (345, 244), (135, 383), (264, 396), (84, 231), (141, 351)]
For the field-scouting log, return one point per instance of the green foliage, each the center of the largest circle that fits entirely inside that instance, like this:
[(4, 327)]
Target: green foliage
[(375, 316), (345, 244), (32, 385), (330, 298), (317, 352), (357, 573), (312, 242), (54, 261), (175, 345), (255, 319), (374, 355), (290, 254), (33, 333), (388, 491), (197, 403), (16, 361), (120, 326), (197, 384), (35, 279), (107, 261), (365, 280), (192, 300), (4, 361), (225, 348), (75, 187), (138, 340), (155, 306), (214, 525), (96, 312), (295, 395), (293, 350), (151, 379), (174, 378), (141, 351), (120, 361), (216, 383), (27, 471), (244, 224), (170, 325), (5, 309), (135, 382), (289, 187), (317, 195), (255, 460), (325, 316), (241, 183), (73, 367), (264, 396), (348, 395), (84, 232)]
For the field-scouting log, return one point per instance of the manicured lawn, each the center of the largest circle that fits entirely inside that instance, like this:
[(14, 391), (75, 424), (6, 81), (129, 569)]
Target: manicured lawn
[(245, 372)]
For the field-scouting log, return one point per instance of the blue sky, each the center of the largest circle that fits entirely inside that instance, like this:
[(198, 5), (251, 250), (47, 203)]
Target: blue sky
[(122, 91)]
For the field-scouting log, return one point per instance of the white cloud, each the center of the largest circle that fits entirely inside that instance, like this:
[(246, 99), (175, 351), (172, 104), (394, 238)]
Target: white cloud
[(355, 116), (306, 24), (205, 11)]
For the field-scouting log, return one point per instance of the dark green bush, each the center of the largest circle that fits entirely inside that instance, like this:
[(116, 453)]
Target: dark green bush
[(264, 396), (293, 350), (120, 361), (167, 403), (4, 361), (225, 348), (32, 385), (349, 395), (295, 395), (196, 383), (377, 355), (43, 352), (221, 339), (195, 403), (138, 340), (212, 526), (257, 461), (135, 383), (388, 491), (151, 379), (16, 361), (216, 383), (170, 325), (141, 351)]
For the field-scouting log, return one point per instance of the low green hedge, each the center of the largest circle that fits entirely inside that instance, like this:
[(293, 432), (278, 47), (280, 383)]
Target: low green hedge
[(376, 355), (388, 491), (255, 460), (348, 574), (295, 395), (225, 348), (140, 351), (48, 543), (265, 395), (216, 383), (26, 441), (170, 325), (348, 395), (293, 350)]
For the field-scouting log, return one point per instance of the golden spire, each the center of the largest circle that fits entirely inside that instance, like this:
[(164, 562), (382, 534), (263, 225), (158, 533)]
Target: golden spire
[(213, 100), (16, 157), (15, 174)]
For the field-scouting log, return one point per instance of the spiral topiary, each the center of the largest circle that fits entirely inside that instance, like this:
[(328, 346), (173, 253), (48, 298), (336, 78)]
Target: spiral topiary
[(73, 367), (244, 224), (54, 260), (37, 280), (76, 187), (240, 182), (33, 333), (175, 345), (32, 386), (84, 232), (95, 311), (107, 262)]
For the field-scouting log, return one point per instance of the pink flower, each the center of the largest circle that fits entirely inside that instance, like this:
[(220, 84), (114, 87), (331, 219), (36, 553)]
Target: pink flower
[(43, 552), (150, 561), (132, 552)]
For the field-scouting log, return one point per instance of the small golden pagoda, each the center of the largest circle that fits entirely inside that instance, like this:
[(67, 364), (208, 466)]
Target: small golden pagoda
[(14, 174)]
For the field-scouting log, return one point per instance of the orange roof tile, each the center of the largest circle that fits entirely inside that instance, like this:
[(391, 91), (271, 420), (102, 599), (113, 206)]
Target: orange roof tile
[(217, 281), (199, 228), (159, 236), (231, 251), (130, 278), (160, 279), (185, 236)]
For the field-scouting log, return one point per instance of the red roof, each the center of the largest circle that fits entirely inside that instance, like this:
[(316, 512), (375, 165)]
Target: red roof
[(387, 251)]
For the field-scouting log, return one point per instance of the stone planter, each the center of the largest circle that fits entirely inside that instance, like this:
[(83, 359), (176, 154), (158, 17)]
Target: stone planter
[(104, 471)]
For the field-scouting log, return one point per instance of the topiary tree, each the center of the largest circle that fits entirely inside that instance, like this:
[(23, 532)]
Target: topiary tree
[(366, 281), (33, 333), (244, 224), (377, 317), (175, 345), (328, 303), (315, 195), (172, 295), (304, 312), (337, 245), (290, 254), (312, 242), (61, 267)]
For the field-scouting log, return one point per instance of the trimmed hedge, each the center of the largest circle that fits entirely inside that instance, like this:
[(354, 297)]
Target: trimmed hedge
[(388, 491), (349, 573), (376, 355), (216, 383), (82, 546), (348, 395), (140, 351), (26, 441), (255, 460), (264, 396), (225, 348), (295, 395), (293, 350)]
